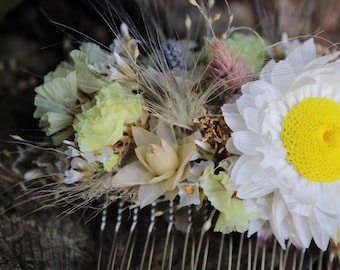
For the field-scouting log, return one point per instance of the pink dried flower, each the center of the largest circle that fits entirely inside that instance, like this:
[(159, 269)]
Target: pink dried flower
[(227, 69)]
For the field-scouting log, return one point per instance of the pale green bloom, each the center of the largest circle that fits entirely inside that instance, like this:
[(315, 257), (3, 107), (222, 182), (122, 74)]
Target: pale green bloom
[(249, 48), (54, 101), (56, 95), (88, 80), (103, 120), (235, 218), (110, 162), (57, 98), (54, 122), (220, 192), (62, 70)]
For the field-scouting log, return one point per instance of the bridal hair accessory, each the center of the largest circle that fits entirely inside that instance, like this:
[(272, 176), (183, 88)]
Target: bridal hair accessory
[(248, 127)]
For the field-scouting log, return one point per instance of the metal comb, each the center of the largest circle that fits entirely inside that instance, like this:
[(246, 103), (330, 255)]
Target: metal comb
[(162, 236)]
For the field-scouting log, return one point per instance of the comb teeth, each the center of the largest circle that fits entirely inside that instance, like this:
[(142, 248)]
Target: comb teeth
[(162, 236)]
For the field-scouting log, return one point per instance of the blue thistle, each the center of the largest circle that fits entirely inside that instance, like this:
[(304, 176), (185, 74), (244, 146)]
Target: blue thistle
[(172, 54)]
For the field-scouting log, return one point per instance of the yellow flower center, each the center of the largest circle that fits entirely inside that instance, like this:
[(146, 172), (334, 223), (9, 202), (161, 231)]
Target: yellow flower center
[(97, 153), (311, 135), (189, 190)]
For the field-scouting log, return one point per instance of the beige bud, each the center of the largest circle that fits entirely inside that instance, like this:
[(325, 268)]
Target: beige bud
[(162, 158)]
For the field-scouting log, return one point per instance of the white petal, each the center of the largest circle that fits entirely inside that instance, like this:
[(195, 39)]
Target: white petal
[(279, 214), (321, 239), (302, 55), (148, 194), (247, 142), (264, 234), (303, 233), (235, 121), (251, 119), (253, 182), (327, 223), (231, 147), (306, 192), (229, 108), (132, 174), (243, 169), (233, 118), (265, 74), (255, 226), (265, 94), (262, 206), (143, 137), (72, 176), (254, 190), (273, 157), (167, 133), (302, 209), (320, 236), (247, 100), (282, 76), (259, 184)]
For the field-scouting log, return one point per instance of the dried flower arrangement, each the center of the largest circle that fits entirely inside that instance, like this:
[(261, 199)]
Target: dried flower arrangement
[(249, 126)]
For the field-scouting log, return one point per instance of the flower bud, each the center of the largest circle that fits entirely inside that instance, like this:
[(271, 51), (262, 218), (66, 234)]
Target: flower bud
[(162, 158)]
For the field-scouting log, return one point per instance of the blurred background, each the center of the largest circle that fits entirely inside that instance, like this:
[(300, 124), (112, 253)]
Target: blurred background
[(35, 35)]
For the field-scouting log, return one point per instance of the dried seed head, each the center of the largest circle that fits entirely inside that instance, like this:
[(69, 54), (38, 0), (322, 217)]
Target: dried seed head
[(172, 54), (227, 69)]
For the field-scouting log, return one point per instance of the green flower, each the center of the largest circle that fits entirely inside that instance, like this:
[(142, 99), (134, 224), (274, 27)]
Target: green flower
[(103, 120), (220, 192), (57, 98), (62, 70), (88, 80), (54, 101), (249, 48)]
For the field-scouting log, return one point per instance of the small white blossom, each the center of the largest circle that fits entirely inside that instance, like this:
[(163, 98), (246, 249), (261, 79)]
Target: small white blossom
[(189, 193)]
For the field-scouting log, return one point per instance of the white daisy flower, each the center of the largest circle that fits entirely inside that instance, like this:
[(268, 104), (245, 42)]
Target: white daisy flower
[(286, 127)]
